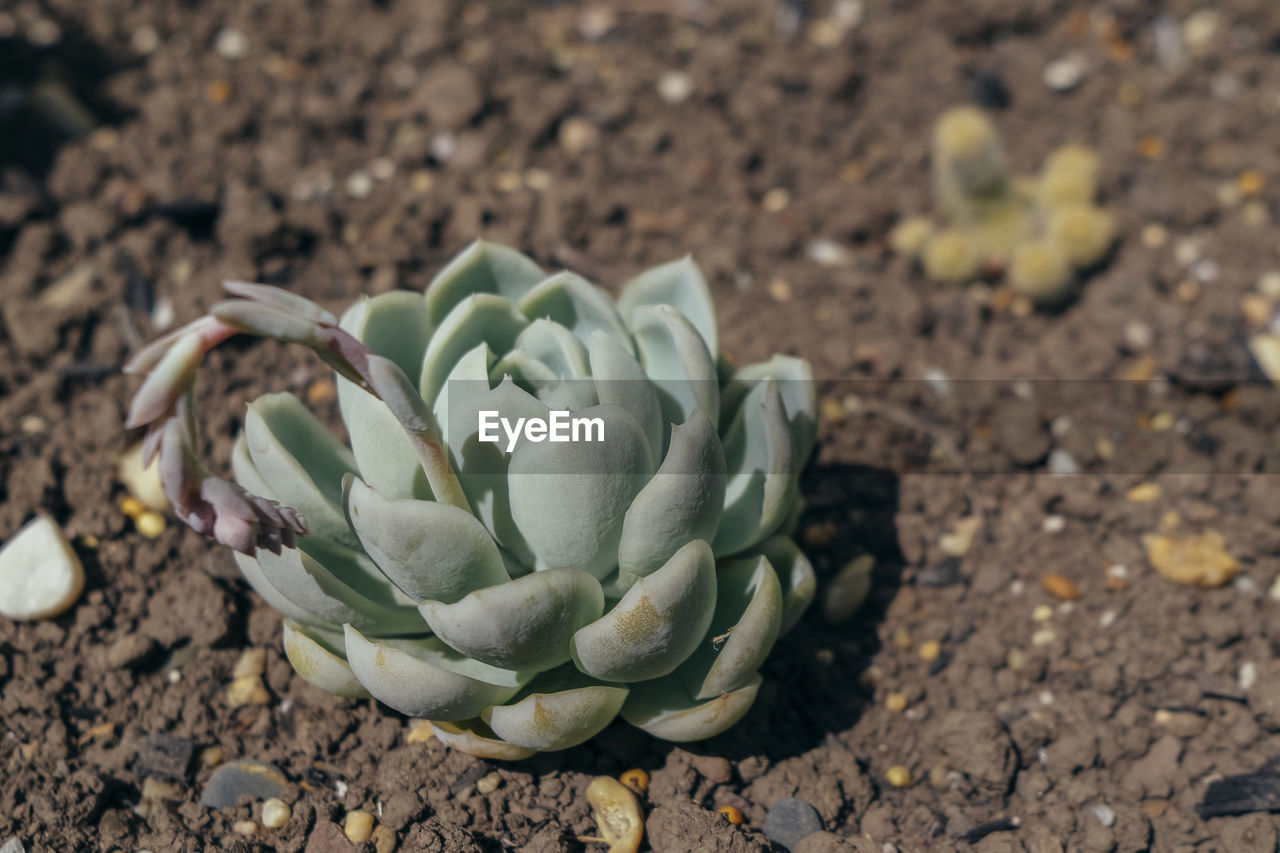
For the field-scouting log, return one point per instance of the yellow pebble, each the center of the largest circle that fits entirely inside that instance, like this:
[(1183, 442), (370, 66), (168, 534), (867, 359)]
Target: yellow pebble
[(132, 507), (275, 813), (211, 756), (1151, 147), (929, 651), (898, 776), (1250, 182), (150, 524), (420, 731), (896, 702), (732, 813), (1042, 613), (245, 828), (637, 780), (1144, 493), (358, 826), (780, 289), (775, 200), (938, 775), (902, 638)]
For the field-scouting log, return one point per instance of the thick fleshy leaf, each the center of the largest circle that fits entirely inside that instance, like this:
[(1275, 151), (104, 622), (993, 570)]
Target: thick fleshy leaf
[(656, 625), (474, 737), (318, 657), (302, 460), (481, 319), (425, 678), (798, 392), (429, 550), (523, 624), (245, 472), (576, 304), (664, 709), (681, 503), (621, 381), (569, 498), (795, 576), (557, 710), (395, 326), (681, 285), (743, 630), (677, 361), (481, 268), (482, 466), (550, 363), (303, 589), (762, 482)]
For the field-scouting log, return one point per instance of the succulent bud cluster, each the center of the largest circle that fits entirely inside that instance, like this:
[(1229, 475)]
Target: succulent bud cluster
[(520, 595), (1041, 231)]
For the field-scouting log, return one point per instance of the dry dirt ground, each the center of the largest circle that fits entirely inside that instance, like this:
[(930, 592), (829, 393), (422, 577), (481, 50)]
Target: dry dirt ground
[(353, 146)]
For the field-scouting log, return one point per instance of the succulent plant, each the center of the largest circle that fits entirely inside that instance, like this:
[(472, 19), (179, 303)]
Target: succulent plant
[(518, 597), (1041, 231)]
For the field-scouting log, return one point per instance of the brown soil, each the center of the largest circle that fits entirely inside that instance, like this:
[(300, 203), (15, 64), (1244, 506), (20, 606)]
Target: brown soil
[(214, 168)]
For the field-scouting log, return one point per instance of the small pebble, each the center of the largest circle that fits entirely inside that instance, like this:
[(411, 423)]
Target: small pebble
[(958, 542), (443, 147), (488, 784), (1248, 675), (1062, 462), (420, 731), (1154, 236), (930, 650), (1274, 592), (144, 40), (898, 776), (1053, 524), (40, 574), (780, 289), (675, 87), (236, 778), (791, 820), (577, 135), (245, 828), (359, 184), (775, 200), (1042, 613), (1269, 285), (847, 592), (896, 702), (1138, 335), (358, 826), (150, 524), (1063, 75), (275, 813), (1059, 586), (1043, 637), (231, 44), (1199, 29), (1144, 493), (252, 662), (1108, 618), (827, 253), (1105, 816), (211, 756)]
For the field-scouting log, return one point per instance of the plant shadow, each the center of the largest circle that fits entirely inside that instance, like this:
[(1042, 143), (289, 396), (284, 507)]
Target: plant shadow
[(813, 687)]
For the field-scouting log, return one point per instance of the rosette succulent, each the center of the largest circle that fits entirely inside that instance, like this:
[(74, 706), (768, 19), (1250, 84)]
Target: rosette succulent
[(522, 593)]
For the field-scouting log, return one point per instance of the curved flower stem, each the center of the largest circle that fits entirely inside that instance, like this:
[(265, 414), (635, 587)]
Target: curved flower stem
[(222, 509)]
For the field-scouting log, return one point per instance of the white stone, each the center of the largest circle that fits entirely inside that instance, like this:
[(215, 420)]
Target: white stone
[(675, 87), (231, 44), (1063, 75), (40, 574)]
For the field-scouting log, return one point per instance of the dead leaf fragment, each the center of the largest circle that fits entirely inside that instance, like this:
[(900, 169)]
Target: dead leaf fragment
[(617, 813), (1195, 559)]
